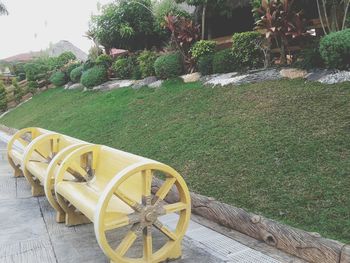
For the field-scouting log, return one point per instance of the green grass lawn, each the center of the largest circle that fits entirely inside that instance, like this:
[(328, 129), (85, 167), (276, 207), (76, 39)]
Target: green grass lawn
[(279, 148)]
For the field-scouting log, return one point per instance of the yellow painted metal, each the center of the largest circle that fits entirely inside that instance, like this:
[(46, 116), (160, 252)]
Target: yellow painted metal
[(41, 159), (111, 188), (119, 195), (24, 137)]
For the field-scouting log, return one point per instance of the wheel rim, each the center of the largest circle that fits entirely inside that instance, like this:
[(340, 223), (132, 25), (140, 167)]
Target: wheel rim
[(145, 217)]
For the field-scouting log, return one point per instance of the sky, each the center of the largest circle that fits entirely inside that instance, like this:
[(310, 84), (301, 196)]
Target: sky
[(33, 24)]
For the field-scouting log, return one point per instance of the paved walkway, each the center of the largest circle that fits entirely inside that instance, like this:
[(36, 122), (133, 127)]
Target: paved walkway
[(29, 233)]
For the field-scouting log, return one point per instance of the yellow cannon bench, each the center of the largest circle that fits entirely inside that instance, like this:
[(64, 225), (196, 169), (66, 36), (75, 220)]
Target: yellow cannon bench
[(116, 194), (42, 158), (23, 138)]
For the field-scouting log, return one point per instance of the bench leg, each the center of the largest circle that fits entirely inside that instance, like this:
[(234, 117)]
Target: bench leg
[(37, 189), (75, 218), (18, 173), (60, 217), (176, 253)]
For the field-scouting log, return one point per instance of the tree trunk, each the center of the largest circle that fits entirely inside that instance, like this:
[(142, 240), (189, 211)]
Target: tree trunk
[(204, 14), (308, 246)]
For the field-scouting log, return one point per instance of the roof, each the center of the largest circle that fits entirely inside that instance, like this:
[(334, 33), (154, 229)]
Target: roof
[(24, 57)]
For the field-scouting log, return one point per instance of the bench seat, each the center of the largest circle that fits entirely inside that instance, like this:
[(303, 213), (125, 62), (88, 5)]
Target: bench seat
[(85, 199)]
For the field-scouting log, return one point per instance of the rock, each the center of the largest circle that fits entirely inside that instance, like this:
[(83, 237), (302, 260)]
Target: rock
[(293, 73), (156, 84), (76, 86), (144, 82), (114, 84), (68, 85), (337, 77), (224, 79), (191, 77), (317, 74)]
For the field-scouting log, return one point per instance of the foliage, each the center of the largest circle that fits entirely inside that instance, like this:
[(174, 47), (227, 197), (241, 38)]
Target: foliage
[(88, 64), (67, 69), (21, 76), (94, 76), (94, 52), (36, 70), (285, 142), (146, 62), (184, 33), (125, 24), (64, 58), (245, 52), (104, 60), (281, 23), (335, 49), (202, 48), (333, 14), (18, 93), (75, 74), (32, 86), (168, 66), (59, 78), (310, 57), (223, 61), (205, 64), (3, 100), (136, 72), (123, 67), (164, 8)]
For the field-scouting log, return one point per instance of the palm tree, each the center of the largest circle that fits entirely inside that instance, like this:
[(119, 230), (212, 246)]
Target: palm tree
[(3, 10)]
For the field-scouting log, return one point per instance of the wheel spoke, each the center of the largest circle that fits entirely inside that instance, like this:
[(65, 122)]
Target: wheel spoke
[(164, 189), (147, 243), (133, 204), (22, 141), (176, 207), (166, 231), (77, 171), (114, 220), (147, 177), (126, 243)]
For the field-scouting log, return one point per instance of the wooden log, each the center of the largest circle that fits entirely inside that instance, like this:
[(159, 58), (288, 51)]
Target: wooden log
[(305, 245)]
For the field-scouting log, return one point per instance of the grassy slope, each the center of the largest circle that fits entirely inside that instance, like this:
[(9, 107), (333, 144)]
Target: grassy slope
[(280, 148)]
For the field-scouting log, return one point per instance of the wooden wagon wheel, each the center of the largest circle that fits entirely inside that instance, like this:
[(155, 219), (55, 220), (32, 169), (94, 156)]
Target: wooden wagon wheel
[(50, 179), (33, 153), (19, 136), (145, 215), (80, 164)]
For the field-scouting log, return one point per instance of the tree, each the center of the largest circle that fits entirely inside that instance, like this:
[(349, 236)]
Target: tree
[(125, 24), (3, 9), (333, 14)]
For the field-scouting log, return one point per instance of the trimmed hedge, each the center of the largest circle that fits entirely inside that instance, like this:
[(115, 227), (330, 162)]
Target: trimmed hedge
[(94, 77), (76, 73), (205, 64), (335, 49), (146, 62), (245, 53), (202, 48), (223, 61), (58, 79), (168, 66)]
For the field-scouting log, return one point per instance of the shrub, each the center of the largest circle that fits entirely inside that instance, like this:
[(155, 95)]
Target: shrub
[(70, 66), (136, 73), (245, 53), (310, 57), (335, 49), (168, 66), (32, 86), (88, 64), (58, 79), (3, 100), (146, 62), (64, 58), (205, 64), (223, 61), (104, 60), (94, 76), (202, 48), (76, 73), (21, 76), (123, 67), (17, 92)]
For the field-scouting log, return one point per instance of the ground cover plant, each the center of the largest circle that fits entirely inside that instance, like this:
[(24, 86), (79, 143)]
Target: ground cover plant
[(278, 148)]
